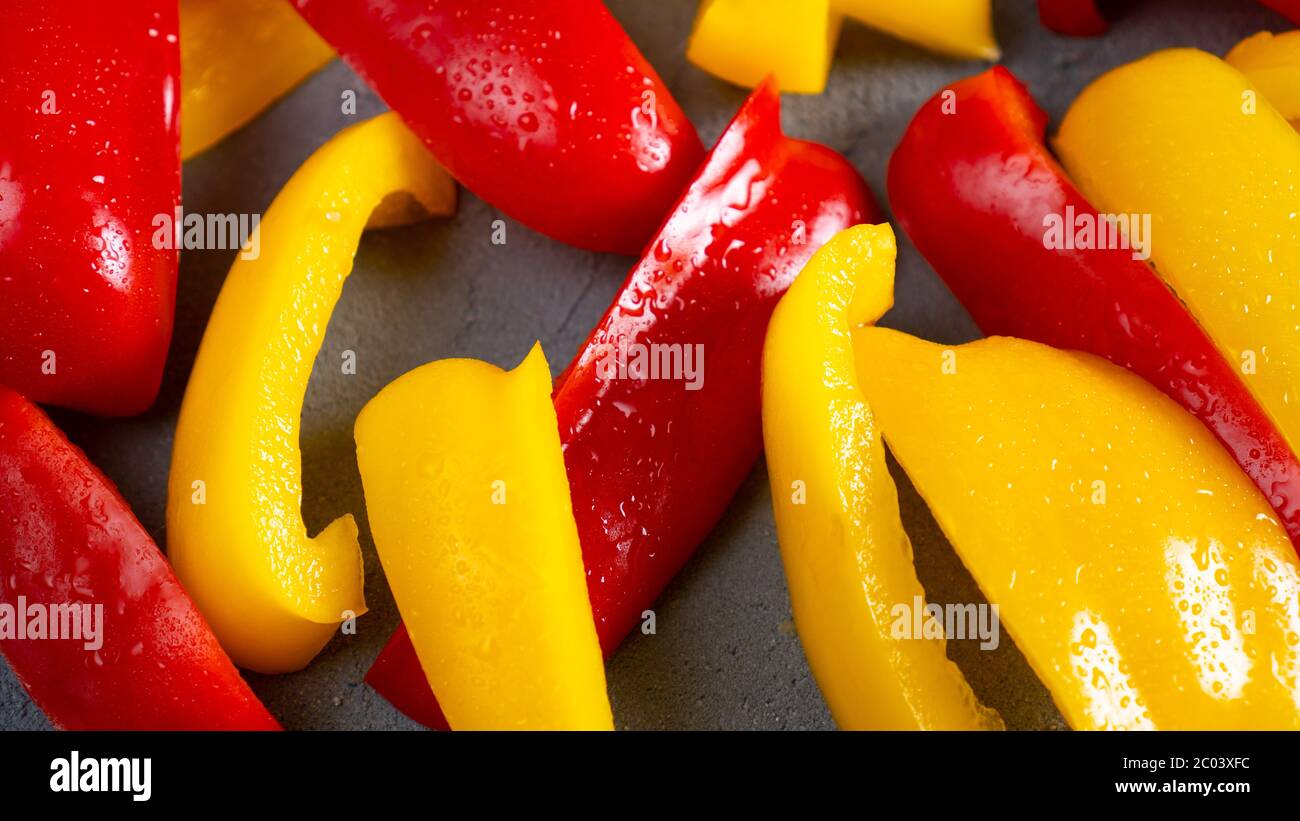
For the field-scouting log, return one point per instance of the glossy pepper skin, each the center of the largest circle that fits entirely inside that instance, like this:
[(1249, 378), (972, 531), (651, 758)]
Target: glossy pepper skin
[(68, 538), (235, 534), (237, 57), (652, 465), (1138, 571), (1218, 170), (847, 559), (545, 110), (974, 187), (88, 159), (1272, 62), (469, 506)]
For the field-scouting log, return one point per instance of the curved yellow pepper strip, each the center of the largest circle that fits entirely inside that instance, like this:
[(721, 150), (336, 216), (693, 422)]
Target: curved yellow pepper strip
[(848, 561), (742, 41), (1183, 137), (1272, 62), (1137, 568), (237, 56), (469, 504), (235, 533)]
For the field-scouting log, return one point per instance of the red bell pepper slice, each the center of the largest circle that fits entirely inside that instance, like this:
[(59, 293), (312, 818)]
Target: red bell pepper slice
[(546, 110), (1090, 18), (972, 184), (1290, 9), (71, 551), (1076, 18), (398, 677), (652, 465), (89, 157)]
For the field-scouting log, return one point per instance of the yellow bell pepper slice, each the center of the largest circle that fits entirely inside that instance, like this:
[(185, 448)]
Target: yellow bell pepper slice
[(1137, 568), (959, 28), (847, 559), (1272, 62), (237, 56), (469, 505), (235, 533), (1184, 137), (742, 41)]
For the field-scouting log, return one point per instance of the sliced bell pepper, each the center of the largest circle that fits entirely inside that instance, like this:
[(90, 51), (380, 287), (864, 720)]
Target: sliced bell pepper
[(1290, 9), (960, 28), (469, 506), (92, 621), (653, 463), (1077, 18), (545, 110), (1272, 62), (743, 41), (1089, 18), (234, 520), (848, 561), (1142, 576), (237, 57), (1185, 138), (975, 188), (88, 161), (399, 677)]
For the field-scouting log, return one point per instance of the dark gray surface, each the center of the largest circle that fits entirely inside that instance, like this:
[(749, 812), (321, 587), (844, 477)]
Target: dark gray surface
[(725, 655)]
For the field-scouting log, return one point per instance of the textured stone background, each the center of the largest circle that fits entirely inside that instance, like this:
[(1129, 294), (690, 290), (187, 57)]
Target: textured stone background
[(726, 655)]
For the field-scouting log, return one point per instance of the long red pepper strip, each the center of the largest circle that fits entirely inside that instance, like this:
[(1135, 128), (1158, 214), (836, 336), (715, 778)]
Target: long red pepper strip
[(974, 186), (89, 159), (654, 462), (75, 562), (546, 110)]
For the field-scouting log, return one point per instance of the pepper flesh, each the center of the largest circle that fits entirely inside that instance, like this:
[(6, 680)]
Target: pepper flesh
[(1077, 18), (69, 540), (545, 110), (1222, 187), (1272, 62), (469, 505), (234, 521), (848, 561), (972, 172), (1290, 9), (88, 160), (237, 57), (1142, 576), (960, 28), (652, 465), (744, 41)]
